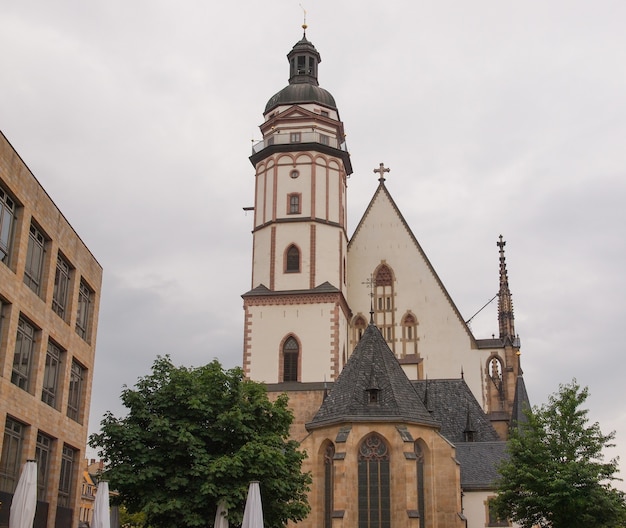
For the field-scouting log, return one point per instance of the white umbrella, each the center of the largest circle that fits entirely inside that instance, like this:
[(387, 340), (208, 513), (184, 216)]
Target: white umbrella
[(101, 515), (253, 513), (24, 503), (220, 516)]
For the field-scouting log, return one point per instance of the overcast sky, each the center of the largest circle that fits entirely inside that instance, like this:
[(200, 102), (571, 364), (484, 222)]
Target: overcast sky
[(495, 118)]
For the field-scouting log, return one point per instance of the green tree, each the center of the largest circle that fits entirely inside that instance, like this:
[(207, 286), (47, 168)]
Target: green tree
[(195, 436), (556, 475)]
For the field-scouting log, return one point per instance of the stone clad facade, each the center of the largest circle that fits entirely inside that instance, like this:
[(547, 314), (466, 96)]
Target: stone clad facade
[(49, 300)]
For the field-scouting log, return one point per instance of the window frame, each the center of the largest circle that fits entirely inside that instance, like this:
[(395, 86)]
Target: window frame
[(84, 309), (294, 203), (33, 268), (292, 264), (25, 340), (75, 390), (52, 368), (290, 359), (43, 450), (66, 476), (8, 207), (62, 276), (11, 456)]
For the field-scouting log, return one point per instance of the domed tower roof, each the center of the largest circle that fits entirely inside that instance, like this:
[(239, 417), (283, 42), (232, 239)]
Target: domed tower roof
[(303, 86)]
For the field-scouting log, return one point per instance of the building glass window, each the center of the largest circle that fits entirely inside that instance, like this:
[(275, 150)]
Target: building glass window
[(61, 287), (42, 455), (324, 139), (84, 310), (34, 259), (75, 394), (374, 490), (293, 260), (291, 353), (23, 357), (51, 375), (67, 476), (294, 203), (493, 519), (329, 478), (295, 137), (11, 455), (7, 213)]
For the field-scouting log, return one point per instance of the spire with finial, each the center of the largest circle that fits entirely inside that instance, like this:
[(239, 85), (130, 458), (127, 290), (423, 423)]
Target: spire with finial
[(506, 319)]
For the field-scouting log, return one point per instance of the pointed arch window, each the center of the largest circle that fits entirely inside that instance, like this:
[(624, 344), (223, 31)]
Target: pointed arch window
[(359, 325), (329, 481), (291, 356), (292, 259), (384, 303), (374, 494), (419, 468)]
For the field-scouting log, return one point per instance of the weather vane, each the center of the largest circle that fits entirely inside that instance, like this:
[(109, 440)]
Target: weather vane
[(304, 26)]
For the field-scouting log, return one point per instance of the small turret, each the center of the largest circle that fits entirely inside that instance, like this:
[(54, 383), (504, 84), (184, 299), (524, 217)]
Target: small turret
[(506, 319)]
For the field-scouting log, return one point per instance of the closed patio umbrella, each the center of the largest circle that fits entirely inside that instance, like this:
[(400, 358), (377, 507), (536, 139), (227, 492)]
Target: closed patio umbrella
[(101, 515), (24, 503), (253, 512), (220, 516)]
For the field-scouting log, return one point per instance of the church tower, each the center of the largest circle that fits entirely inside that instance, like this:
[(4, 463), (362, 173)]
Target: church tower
[(296, 314)]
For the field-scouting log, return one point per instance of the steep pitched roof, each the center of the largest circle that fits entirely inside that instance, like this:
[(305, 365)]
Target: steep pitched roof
[(521, 402), (382, 190), (452, 403), (479, 463), (372, 387)]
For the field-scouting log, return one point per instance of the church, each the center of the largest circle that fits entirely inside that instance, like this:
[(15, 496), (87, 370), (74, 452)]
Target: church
[(402, 411)]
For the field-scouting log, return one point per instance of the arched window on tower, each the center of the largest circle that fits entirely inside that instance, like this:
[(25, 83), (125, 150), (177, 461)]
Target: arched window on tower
[(291, 357), (374, 483), (384, 303), (409, 335), (292, 259), (329, 481)]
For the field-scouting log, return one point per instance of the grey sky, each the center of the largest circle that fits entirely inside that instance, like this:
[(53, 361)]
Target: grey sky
[(495, 117)]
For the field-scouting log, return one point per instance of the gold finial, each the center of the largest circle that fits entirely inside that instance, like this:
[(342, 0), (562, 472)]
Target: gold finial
[(304, 26)]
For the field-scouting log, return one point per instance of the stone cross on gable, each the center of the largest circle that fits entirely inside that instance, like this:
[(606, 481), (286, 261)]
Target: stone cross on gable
[(381, 170)]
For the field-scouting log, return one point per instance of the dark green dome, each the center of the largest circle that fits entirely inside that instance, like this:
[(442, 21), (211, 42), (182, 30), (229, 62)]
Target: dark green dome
[(301, 93)]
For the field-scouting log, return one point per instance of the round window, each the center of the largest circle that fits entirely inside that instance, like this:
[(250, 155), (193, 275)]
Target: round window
[(294, 173)]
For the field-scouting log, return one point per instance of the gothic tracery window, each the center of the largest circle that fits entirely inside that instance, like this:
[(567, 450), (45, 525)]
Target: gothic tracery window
[(329, 455), (419, 461), (384, 303), (374, 483)]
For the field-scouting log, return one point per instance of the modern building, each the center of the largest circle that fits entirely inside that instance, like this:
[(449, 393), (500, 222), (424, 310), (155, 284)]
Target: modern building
[(49, 298), (402, 411)]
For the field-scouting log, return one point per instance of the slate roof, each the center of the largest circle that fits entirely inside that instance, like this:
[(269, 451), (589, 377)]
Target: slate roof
[(479, 463), (262, 290), (452, 403), (372, 368), (520, 402)]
